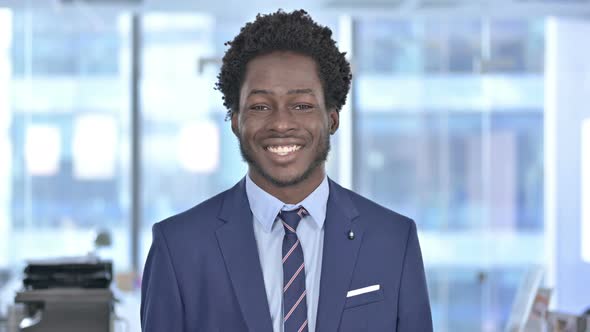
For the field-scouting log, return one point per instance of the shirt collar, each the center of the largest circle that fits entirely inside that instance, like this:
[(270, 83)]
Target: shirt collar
[(265, 207)]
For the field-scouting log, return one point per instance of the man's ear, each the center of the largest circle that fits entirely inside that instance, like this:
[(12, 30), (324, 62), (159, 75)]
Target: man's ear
[(334, 118), (234, 122)]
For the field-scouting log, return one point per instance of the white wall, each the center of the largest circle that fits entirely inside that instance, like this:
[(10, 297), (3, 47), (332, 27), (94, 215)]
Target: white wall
[(567, 104)]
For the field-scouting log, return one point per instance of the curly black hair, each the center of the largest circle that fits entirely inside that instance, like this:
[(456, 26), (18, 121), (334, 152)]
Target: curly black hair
[(281, 31)]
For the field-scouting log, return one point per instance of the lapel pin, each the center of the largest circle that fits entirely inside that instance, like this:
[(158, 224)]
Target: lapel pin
[(350, 235)]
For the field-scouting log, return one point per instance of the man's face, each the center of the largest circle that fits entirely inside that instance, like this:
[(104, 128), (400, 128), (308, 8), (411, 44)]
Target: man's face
[(282, 124)]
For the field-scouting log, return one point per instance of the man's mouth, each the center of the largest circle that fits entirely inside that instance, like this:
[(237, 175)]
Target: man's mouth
[(283, 150)]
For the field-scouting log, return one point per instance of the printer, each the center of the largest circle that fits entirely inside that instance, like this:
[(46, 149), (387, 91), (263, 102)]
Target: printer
[(67, 295)]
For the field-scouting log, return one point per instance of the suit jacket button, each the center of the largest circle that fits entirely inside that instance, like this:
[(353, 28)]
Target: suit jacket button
[(350, 235)]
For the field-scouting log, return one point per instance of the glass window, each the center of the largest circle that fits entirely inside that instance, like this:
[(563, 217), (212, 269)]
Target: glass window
[(83, 43), (64, 119), (451, 46), (471, 299), (458, 147), (516, 46), (390, 47)]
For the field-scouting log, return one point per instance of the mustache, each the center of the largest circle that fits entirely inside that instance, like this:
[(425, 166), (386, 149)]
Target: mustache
[(281, 136)]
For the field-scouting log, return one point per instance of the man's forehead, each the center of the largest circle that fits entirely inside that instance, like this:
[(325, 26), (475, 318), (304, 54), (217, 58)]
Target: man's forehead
[(289, 92), (272, 74), (282, 59)]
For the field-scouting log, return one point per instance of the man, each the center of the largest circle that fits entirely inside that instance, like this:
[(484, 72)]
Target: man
[(285, 249)]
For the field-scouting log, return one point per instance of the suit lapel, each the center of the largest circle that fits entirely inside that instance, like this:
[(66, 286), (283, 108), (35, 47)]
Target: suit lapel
[(339, 257), (238, 246)]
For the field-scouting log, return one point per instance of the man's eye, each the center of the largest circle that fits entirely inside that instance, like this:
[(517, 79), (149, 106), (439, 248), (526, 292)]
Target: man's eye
[(259, 108), (303, 107)]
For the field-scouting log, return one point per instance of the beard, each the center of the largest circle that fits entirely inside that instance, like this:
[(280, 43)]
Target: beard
[(321, 155)]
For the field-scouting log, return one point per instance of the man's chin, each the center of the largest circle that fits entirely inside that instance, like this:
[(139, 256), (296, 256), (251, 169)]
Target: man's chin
[(284, 180)]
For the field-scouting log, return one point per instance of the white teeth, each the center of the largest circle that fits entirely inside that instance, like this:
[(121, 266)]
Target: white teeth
[(283, 150)]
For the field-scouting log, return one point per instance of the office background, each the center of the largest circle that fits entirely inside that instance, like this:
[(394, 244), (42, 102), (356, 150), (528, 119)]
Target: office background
[(471, 117)]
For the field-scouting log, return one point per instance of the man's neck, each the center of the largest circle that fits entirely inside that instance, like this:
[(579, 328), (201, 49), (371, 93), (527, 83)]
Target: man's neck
[(292, 194)]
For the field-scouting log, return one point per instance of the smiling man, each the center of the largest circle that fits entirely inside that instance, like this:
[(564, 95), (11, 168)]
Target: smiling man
[(286, 249)]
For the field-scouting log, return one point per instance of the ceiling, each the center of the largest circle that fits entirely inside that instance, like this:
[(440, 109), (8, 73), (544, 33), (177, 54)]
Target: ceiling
[(356, 7)]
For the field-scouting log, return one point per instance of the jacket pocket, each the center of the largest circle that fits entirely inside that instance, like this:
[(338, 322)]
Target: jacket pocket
[(358, 311), (362, 299)]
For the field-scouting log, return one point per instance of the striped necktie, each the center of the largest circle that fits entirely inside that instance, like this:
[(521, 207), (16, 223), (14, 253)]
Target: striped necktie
[(294, 293)]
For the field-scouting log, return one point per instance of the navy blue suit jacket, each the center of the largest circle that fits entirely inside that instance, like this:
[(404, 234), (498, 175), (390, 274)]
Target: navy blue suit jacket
[(203, 272)]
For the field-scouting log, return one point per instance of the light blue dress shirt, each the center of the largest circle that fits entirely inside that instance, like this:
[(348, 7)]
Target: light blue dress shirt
[(269, 239)]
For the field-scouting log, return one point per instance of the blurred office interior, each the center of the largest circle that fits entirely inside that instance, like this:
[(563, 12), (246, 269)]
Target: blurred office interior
[(470, 116)]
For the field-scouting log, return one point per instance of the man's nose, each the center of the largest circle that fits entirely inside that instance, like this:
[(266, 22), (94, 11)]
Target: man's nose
[(282, 119)]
